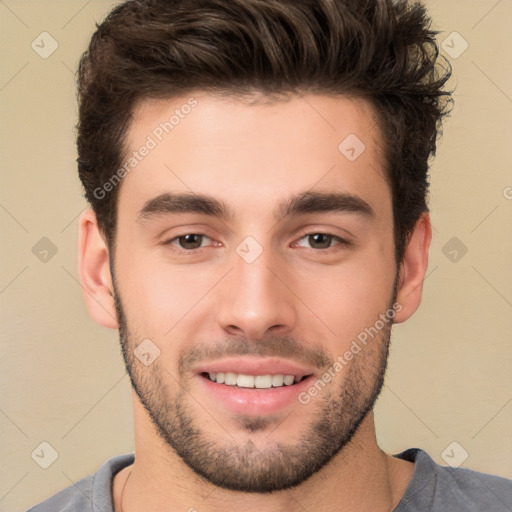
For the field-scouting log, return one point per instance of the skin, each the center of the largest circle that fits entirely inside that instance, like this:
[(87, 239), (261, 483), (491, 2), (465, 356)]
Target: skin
[(254, 157)]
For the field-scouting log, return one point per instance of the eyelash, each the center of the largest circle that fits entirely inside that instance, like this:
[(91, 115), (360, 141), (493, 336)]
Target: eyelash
[(341, 242)]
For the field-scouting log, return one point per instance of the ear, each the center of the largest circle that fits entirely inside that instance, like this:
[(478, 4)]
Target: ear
[(413, 269), (94, 271)]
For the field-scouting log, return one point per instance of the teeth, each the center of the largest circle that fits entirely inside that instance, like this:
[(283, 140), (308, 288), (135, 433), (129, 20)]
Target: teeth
[(230, 379), (289, 379), (253, 381), (277, 380), (263, 381)]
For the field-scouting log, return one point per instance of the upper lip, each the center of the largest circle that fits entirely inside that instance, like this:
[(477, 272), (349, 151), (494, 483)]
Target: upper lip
[(252, 366)]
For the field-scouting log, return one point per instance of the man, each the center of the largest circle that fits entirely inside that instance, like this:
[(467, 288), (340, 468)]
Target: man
[(257, 171)]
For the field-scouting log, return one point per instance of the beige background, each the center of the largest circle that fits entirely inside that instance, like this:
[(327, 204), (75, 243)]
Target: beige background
[(62, 381)]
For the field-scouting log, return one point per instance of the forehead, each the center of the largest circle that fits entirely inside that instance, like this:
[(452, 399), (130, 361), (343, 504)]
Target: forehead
[(253, 151)]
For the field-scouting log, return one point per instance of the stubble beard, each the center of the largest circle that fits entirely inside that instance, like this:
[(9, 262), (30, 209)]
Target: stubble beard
[(336, 414)]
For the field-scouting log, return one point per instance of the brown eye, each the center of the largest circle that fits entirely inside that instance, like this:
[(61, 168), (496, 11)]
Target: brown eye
[(187, 242), (320, 240), (191, 241)]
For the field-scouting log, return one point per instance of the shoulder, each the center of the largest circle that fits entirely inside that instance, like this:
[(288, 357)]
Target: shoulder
[(91, 494), (438, 488), (74, 498)]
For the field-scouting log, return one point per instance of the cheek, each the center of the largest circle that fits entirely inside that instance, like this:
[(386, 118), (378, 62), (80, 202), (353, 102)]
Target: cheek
[(349, 297), (157, 295)]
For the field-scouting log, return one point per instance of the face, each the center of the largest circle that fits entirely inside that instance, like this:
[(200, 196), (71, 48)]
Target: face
[(253, 256)]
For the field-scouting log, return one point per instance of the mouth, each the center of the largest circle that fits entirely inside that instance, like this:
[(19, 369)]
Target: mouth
[(242, 380), (253, 386)]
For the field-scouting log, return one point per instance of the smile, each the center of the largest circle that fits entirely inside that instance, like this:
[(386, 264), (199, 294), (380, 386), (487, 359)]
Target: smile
[(253, 381)]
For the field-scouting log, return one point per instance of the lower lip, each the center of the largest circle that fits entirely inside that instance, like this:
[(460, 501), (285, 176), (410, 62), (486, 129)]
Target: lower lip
[(253, 401)]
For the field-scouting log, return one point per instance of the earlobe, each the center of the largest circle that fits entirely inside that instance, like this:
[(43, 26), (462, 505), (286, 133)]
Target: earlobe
[(94, 271), (413, 269)]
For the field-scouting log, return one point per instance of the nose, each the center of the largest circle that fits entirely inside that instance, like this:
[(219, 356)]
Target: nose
[(255, 299)]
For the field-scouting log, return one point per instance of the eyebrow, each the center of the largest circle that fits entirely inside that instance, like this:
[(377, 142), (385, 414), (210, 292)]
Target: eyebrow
[(307, 202)]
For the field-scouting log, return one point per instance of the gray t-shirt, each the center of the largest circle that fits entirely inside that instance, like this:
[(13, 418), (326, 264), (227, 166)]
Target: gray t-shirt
[(433, 488)]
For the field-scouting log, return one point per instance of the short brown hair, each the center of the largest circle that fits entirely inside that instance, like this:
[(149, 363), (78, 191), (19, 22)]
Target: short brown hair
[(381, 50)]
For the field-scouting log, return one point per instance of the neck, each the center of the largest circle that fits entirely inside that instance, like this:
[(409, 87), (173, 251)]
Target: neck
[(361, 477)]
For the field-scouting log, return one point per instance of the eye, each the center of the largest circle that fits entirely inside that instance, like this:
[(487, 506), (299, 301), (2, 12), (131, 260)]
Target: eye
[(188, 242), (319, 241)]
